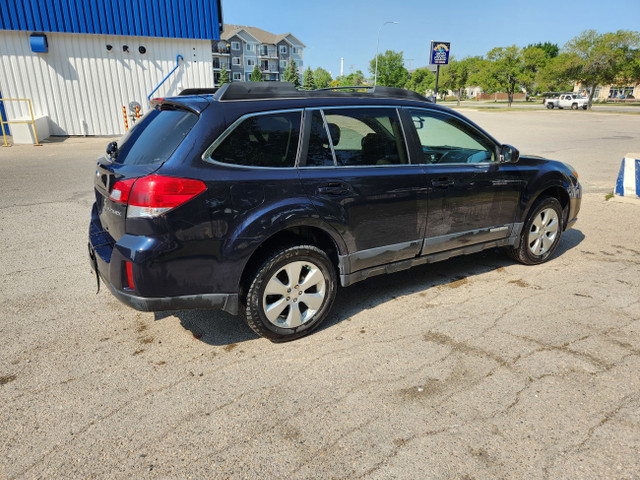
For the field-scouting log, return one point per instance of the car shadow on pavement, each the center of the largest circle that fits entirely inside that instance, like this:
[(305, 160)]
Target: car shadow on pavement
[(213, 327), (218, 328)]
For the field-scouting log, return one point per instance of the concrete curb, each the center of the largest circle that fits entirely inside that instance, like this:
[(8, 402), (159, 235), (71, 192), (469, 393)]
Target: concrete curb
[(628, 183)]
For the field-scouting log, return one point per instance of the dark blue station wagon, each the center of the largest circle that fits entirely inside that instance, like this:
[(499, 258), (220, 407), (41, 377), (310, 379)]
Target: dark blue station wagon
[(261, 199)]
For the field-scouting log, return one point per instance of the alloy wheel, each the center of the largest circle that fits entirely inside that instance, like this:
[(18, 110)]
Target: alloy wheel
[(294, 294), (544, 231)]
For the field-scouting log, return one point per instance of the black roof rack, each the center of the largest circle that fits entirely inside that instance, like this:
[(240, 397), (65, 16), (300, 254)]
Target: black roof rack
[(279, 90)]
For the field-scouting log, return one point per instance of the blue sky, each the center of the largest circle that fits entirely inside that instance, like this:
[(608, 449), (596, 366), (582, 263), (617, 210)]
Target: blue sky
[(332, 28)]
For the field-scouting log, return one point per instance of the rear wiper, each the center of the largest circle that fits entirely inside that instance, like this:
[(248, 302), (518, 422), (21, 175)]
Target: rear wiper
[(112, 150)]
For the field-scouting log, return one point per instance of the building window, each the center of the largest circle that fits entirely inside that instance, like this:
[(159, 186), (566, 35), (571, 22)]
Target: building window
[(294, 50), (283, 64), (235, 61), (263, 50), (249, 47), (250, 62), (237, 76), (235, 45), (621, 92), (283, 49)]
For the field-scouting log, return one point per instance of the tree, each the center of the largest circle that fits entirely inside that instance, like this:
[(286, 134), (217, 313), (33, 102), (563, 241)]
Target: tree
[(456, 75), (352, 80), (224, 75), (308, 82), (391, 69), (321, 78), (291, 73), (553, 76), (505, 71), (603, 59), (551, 50), (256, 75), (421, 80), (536, 58)]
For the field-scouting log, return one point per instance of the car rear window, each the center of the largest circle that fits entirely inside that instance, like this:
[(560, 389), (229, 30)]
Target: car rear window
[(155, 137)]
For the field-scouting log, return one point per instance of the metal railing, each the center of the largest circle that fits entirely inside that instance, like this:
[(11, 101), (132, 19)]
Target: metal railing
[(178, 58), (32, 121)]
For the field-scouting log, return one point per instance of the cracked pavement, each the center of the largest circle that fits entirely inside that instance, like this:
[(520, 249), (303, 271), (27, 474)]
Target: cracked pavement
[(473, 368)]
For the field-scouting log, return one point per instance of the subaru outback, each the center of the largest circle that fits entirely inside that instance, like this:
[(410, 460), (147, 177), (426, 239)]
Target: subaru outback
[(261, 199)]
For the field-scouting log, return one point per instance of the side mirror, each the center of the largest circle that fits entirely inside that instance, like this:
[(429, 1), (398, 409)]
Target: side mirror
[(509, 154), (112, 149)]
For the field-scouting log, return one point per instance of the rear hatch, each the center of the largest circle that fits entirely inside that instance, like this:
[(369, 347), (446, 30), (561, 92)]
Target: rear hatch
[(142, 151)]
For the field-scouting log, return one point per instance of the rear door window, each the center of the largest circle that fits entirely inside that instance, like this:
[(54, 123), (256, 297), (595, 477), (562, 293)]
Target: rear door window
[(263, 140), (154, 138), (360, 137), (319, 153)]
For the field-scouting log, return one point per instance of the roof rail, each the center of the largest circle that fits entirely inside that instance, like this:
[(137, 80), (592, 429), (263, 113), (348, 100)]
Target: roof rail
[(198, 91), (278, 90), (377, 89)]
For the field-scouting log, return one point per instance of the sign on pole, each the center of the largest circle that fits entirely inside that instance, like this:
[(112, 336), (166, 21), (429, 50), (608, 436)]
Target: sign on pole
[(440, 53), (439, 56)]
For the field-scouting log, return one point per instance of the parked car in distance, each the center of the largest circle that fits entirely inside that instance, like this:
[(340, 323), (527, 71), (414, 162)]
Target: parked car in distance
[(567, 100), (262, 199)]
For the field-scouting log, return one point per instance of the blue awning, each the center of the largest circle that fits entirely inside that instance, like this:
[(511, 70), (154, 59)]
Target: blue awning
[(196, 19)]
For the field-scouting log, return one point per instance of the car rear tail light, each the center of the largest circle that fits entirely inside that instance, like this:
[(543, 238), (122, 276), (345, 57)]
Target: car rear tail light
[(154, 195), (121, 190), (129, 268)]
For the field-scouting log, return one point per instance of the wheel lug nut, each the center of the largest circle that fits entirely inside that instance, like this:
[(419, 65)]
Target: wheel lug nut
[(295, 299), (288, 298), (288, 290)]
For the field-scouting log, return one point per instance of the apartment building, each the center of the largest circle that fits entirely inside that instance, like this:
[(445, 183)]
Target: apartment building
[(241, 48)]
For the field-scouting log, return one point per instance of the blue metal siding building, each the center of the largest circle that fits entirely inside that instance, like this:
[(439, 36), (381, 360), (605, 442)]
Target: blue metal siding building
[(81, 61), (194, 19)]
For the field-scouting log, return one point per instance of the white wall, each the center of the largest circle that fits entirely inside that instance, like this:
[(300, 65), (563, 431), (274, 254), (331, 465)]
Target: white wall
[(82, 87)]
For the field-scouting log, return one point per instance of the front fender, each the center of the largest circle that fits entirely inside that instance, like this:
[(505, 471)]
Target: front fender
[(546, 181)]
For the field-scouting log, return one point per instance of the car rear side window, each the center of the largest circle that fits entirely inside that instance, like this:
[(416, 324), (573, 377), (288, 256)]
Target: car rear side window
[(264, 140), (154, 138)]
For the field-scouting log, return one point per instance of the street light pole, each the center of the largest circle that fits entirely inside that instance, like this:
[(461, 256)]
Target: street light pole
[(375, 74)]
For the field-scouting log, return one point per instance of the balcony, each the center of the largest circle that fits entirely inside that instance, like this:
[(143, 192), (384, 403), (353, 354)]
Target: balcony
[(221, 51), (217, 64), (269, 68), (268, 53)]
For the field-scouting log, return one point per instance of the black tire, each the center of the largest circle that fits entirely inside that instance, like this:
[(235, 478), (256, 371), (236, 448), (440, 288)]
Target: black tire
[(540, 237), (584, 107), (550, 106), (312, 265), (574, 106)]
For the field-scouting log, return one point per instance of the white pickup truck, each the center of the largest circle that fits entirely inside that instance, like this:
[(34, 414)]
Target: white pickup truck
[(567, 100)]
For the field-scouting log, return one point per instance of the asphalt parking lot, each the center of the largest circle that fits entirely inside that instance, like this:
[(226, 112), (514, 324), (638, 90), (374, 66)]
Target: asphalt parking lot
[(474, 368)]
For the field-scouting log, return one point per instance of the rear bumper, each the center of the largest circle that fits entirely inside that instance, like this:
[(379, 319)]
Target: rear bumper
[(108, 258)]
